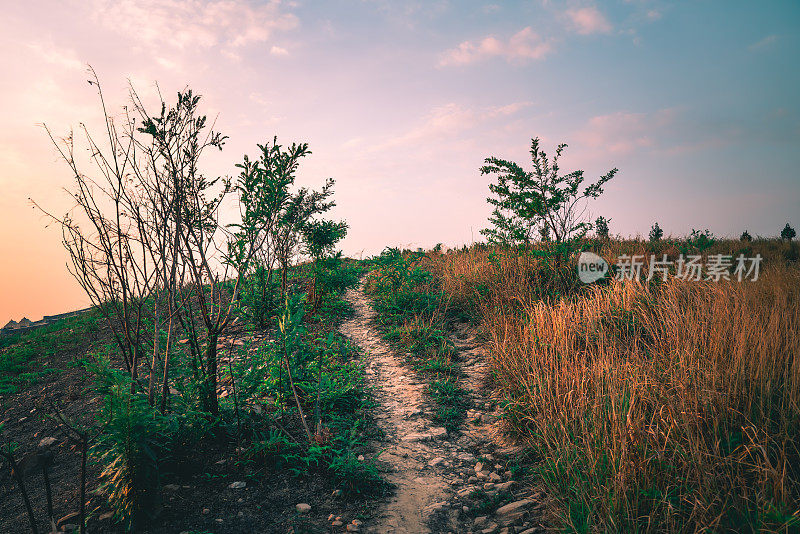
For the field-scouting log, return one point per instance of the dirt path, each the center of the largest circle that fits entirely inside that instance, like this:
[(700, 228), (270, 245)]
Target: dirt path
[(436, 474)]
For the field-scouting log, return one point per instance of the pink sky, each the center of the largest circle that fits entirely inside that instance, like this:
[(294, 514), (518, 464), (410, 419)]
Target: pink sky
[(400, 103)]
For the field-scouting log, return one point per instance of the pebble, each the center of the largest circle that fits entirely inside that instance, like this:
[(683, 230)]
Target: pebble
[(237, 485), (47, 442), (303, 508)]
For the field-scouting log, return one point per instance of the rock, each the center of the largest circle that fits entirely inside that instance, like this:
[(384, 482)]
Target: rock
[(438, 433), (107, 515), (336, 523), (352, 528), (171, 487), (417, 436), (464, 492), (505, 486), (533, 530), (303, 508), (490, 529), (436, 461), (511, 512), (488, 486), (478, 467), (494, 477), (466, 457), (436, 507), (237, 485), (360, 458), (47, 442), (481, 521), (67, 519), (356, 522)]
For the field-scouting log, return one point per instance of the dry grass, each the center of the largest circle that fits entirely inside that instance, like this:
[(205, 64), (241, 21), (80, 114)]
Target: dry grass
[(665, 407)]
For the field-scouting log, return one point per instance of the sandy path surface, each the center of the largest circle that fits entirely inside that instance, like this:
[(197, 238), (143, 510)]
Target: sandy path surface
[(433, 472)]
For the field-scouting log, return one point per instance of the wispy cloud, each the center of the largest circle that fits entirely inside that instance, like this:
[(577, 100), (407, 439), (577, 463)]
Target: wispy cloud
[(624, 132), (194, 23), (278, 51), (588, 20), (523, 45), (764, 43)]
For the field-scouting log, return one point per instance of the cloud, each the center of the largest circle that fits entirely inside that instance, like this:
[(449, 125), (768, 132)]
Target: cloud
[(194, 23), (278, 51), (764, 43), (53, 55), (523, 45), (624, 132), (447, 121), (588, 20)]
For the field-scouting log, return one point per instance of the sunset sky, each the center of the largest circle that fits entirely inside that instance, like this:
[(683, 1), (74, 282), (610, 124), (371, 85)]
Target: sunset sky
[(695, 102)]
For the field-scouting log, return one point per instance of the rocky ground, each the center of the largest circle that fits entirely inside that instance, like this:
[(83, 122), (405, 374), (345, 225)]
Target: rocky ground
[(444, 483)]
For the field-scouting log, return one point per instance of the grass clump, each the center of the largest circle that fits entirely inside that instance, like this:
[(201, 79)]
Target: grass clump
[(657, 407)]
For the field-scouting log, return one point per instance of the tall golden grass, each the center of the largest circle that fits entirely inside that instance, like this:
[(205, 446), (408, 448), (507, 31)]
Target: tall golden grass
[(670, 407)]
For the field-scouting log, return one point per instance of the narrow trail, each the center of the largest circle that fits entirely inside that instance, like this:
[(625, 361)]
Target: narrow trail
[(434, 473)]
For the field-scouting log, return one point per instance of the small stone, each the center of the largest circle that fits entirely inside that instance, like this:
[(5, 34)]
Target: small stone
[(237, 485), (490, 529), (303, 508), (47, 442), (465, 509), (511, 512), (494, 477), (337, 524), (356, 522), (478, 467), (171, 487), (436, 507), (438, 433), (352, 528), (481, 522), (360, 457), (436, 461), (206, 511), (505, 486)]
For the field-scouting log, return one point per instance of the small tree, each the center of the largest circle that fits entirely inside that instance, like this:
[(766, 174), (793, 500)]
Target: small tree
[(656, 233), (601, 227), (788, 233), (525, 199), (745, 236), (320, 239)]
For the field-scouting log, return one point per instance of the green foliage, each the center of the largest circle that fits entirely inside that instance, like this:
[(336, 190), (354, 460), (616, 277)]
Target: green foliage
[(451, 401), (320, 237), (746, 236), (656, 233), (601, 227), (130, 449), (788, 233), (698, 241), (23, 355), (525, 200)]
